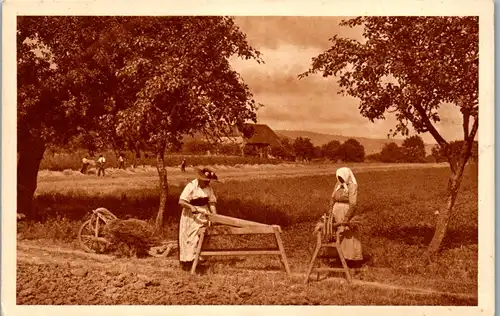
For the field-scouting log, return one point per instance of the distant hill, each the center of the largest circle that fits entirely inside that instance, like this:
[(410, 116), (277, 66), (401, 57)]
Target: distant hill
[(371, 145)]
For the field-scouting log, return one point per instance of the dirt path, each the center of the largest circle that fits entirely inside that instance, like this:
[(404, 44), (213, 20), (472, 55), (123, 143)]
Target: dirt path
[(45, 271)]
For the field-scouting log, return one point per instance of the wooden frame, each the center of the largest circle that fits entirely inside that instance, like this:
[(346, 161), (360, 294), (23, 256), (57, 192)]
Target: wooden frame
[(234, 226), (335, 244)]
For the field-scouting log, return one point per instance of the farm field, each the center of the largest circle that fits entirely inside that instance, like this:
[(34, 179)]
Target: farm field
[(396, 206)]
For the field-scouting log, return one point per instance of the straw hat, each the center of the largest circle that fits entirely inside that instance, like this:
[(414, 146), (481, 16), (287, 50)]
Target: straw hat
[(206, 174)]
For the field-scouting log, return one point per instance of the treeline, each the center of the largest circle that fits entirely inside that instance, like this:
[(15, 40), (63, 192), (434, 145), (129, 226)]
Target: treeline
[(413, 151), (300, 149)]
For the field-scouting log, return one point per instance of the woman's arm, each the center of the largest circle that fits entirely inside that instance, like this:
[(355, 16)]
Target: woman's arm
[(353, 201), (187, 205), (332, 202), (212, 201)]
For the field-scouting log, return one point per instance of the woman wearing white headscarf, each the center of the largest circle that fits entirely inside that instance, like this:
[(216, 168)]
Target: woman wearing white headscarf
[(342, 208)]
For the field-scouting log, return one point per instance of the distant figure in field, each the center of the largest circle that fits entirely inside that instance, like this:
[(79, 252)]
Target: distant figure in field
[(121, 161), (100, 165), (85, 165), (343, 208), (183, 165)]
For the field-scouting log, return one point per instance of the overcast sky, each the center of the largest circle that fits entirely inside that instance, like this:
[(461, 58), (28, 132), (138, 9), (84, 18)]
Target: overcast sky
[(312, 104)]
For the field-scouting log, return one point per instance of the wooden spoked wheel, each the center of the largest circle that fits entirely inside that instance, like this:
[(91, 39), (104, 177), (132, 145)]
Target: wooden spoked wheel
[(90, 235)]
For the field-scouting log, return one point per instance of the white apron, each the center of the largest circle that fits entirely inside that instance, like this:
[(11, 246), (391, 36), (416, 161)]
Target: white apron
[(349, 238), (190, 223)]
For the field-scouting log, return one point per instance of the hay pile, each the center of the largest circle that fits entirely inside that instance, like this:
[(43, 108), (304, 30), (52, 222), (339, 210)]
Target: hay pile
[(130, 237)]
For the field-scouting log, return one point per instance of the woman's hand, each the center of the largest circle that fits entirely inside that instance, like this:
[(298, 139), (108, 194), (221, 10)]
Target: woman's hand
[(193, 209), (213, 209)]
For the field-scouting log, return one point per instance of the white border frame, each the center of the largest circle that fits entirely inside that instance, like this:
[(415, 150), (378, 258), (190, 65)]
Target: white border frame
[(484, 9)]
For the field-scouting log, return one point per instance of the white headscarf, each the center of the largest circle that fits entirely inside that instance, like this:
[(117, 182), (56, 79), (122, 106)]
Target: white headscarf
[(347, 175)]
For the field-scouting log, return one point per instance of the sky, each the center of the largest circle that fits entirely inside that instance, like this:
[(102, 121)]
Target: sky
[(312, 104)]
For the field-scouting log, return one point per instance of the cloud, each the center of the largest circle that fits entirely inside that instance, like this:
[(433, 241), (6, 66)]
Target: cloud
[(286, 97), (288, 45), (280, 72), (301, 31), (284, 58), (321, 109)]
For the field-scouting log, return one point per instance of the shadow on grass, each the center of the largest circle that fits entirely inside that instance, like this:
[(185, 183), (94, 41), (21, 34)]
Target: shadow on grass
[(422, 235)]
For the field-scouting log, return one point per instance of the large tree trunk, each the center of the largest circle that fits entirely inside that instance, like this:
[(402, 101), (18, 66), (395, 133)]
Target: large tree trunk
[(30, 153), (162, 173), (444, 215)]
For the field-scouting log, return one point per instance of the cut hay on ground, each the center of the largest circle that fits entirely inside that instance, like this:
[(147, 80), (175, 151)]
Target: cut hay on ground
[(130, 237)]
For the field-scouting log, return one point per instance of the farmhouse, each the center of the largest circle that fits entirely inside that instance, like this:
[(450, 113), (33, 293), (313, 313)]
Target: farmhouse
[(258, 137)]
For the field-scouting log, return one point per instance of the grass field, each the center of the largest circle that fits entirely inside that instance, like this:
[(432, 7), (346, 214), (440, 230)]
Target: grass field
[(396, 207)]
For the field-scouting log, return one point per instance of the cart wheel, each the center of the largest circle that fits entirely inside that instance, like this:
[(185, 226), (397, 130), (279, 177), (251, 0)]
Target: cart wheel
[(88, 235)]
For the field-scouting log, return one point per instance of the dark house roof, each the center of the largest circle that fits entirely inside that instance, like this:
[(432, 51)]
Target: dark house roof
[(257, 134), (253, 134)]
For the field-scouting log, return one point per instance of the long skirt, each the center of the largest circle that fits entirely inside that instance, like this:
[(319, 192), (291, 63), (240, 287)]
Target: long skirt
[(189, 226), (350, 241)]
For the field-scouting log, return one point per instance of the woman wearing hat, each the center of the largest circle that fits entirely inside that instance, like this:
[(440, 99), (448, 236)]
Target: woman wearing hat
[(197, 199)]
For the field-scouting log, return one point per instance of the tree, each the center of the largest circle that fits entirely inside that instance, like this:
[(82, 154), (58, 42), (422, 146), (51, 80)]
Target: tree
[(413, 149), (410, 66), (438, 153), (188, 86), (131, 80), (373, 157), (318, 152), (391, 152), (303, 148), (59, 92), (330, 149), (352, 151), (197, 147), (456, 146), (285, 151)]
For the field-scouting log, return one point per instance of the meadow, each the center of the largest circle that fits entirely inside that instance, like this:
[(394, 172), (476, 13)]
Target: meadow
[(397, 209)]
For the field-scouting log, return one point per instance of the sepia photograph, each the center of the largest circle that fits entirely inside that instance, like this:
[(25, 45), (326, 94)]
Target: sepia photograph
[(248, 159)]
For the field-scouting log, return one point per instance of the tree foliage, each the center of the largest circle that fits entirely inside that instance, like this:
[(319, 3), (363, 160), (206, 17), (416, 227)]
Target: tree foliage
[(129, 82), (456, 146), (303, 148), (285, 151), (413, 149), (392, 153), (331, 149), (409, 67), (352, 151)]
